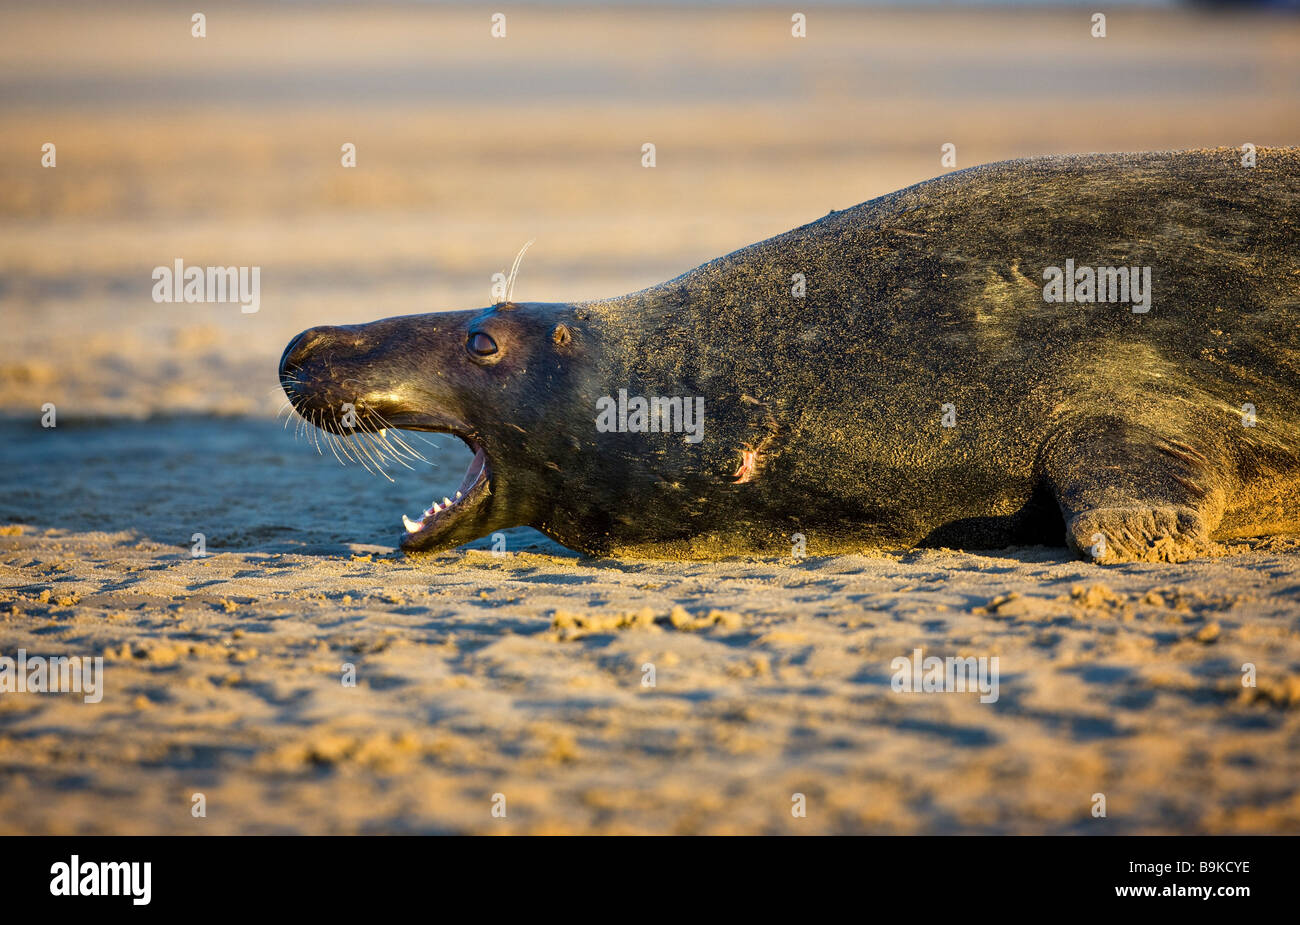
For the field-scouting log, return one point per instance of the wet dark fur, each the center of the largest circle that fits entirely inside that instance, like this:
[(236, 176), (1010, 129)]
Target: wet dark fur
[(1073, 421)]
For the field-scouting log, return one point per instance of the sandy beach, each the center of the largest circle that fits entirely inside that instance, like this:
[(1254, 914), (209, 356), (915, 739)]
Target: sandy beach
[(523, 675), (522, 679)]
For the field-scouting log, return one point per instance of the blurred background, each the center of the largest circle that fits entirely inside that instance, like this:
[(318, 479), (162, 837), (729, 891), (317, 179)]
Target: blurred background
[(225, 150)]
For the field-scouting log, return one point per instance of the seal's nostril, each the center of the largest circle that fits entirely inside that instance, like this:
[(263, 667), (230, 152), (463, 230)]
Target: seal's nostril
[(301, 347)]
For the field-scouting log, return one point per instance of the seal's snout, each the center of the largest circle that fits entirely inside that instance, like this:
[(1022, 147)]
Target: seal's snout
[(320, 371)]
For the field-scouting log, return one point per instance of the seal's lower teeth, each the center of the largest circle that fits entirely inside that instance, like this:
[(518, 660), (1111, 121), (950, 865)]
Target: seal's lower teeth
[(411, 525)]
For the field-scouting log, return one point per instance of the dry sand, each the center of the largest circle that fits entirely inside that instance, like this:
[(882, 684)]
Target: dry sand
[(522, 675)]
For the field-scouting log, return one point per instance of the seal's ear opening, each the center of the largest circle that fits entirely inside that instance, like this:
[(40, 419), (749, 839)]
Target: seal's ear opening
[(561, 336)]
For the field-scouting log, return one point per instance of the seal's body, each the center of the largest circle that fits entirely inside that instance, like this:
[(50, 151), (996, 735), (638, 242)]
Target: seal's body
[(1100, 349)]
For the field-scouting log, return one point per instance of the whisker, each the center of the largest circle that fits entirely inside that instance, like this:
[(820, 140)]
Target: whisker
[(395, 444), (514, 270), (422, 439), (315, 436), (349, 438), (393, 452), (361, 446), (383, 470), (344, 447), (375, 448), (386, 448), (332, 443)]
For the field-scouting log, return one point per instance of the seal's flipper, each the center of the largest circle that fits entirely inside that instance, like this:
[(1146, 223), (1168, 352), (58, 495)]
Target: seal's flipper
[(1128, 493), (1170, 533)]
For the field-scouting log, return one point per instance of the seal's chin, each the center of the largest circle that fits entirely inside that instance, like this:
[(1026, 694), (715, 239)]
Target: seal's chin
[(441, 518)]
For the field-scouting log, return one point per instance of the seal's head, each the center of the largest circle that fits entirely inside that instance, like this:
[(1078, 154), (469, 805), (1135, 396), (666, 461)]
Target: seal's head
[(487, 377)]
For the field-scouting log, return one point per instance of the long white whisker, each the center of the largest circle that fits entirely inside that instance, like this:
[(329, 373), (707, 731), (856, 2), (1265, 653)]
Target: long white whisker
[(514, 270), (332, 442), (384, 447), (314, 433), (400, 452), (358, 450), (361, 446), (393, 443), (398, 457), (383, 469)]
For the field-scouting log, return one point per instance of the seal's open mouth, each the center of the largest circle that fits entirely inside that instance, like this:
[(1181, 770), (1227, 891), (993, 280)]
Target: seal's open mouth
[(442, 516)]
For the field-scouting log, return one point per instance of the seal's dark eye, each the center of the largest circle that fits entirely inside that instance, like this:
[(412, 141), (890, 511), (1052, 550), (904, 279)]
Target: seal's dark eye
[(481, 344)]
